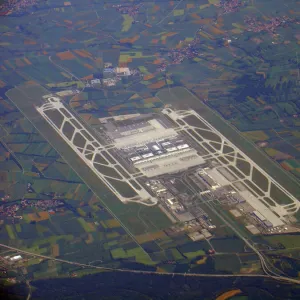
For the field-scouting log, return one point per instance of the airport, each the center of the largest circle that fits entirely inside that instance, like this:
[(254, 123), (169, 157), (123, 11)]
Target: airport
[(177, 160)]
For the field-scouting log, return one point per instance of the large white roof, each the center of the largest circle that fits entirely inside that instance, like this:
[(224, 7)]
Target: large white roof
[(169, 163), (144, 137), (261, 208)]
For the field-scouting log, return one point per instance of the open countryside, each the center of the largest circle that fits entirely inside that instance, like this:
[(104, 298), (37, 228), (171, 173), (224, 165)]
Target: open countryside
[(152, 139)]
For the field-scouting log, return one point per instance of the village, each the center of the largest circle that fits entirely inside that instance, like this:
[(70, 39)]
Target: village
[(10, 6), (131, 10), (13, 210), (254, 25)]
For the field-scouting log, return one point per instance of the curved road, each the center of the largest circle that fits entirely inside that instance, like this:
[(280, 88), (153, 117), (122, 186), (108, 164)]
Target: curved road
[(264, 264), (282, 279)]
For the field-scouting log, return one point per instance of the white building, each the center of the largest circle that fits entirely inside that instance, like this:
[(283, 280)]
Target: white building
[(260, 209), (95, 81), (150, 133), (16, 258), (169, 162), (122, 71)]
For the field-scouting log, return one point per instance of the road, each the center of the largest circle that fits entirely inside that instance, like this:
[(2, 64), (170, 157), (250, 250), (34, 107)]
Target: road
[(281, 278), (209, 135), (90, 149), (91, 184), (268, 160), (263, 260)]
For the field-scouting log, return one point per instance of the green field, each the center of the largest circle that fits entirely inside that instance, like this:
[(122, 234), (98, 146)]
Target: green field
[(288, 241), (234, 75), (131, 219), (191, 255), (127, 23), (11, 232)]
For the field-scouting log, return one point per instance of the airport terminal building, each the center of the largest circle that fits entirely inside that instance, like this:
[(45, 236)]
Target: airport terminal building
[(152, 147)]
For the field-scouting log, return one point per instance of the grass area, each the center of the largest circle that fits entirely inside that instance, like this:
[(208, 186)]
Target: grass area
[(143, 69), (279, 196), (208, 135), (118, 253), (81, 212), (214, 1), (288, 241), (52, 239), (178, 12), (140, 256), (176, 254), (33, 261), (37, 250), (111, 243), (112, 235), (202, 260), (260, 180), (113, 223), (191, 255), (243, 166), (10, 231), (194, 121), (228, 263), (138, 253), (255, 136), (127, 23), (86, 226), (132, 217), (66, 84), (84, 272), (18, 228)]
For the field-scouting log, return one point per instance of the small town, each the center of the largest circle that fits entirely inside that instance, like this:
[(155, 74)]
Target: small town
[(254, 25), (229, 6), (11, 211), (14, 5), (131, 10), (177, 56)]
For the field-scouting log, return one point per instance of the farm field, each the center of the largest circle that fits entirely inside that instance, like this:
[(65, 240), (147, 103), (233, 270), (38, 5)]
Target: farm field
[(83, 171), (236, 65)]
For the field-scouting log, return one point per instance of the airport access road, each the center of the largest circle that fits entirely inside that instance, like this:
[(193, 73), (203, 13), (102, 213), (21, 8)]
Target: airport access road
[(88, 266), (264, 262)]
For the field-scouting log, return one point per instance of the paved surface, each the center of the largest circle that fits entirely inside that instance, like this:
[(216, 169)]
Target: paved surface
[(235, 154), (90, 150), (279, 278)]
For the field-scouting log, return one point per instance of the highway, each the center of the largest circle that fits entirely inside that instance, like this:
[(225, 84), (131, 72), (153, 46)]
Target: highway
[(264, 263), (263, 260), (278, 278)]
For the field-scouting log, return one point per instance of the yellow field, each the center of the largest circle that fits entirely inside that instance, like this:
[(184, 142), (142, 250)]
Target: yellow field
[(55, 250), (127, 23), (143, 238), (90, 239), (41, 216), (257, 135), (229, 294), (201, 261), (113, 223)]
